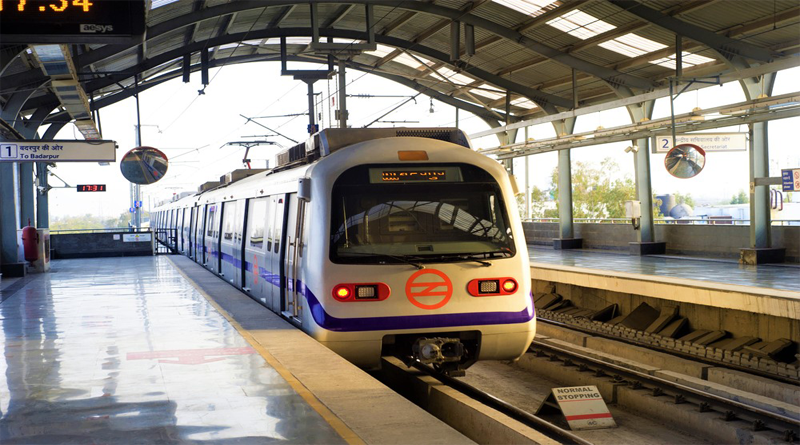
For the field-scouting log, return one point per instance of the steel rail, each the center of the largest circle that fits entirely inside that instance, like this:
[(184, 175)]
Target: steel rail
[(733, 410), (676, 353), (551, 430)]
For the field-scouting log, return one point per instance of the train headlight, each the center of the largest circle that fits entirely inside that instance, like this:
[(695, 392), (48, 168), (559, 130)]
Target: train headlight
[(489, 287), (341, 292), (349, 292)]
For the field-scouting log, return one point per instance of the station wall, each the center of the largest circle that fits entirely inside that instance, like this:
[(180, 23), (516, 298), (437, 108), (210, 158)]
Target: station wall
[(722, 241)]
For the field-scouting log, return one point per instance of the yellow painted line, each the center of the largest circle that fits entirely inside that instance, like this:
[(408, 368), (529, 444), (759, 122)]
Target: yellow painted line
[(340, 427)]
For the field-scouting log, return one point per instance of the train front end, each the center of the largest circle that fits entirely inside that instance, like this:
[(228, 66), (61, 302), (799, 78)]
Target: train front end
[(424, 256)]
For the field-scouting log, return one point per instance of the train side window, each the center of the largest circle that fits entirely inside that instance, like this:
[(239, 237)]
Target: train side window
[(210, 220), (238, 223), (271, 223), (228, 216), (257, 221)]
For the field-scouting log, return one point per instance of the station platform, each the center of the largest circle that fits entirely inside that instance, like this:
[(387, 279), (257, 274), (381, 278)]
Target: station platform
[(772, 290), (157, 350)]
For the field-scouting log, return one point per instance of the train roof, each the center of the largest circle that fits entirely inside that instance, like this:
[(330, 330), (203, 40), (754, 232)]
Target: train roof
[(322, 144)]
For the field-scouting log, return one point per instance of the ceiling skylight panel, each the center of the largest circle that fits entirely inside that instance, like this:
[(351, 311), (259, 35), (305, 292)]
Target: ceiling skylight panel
[(407, 60), (493, 94), (454, 77), (524, 103), (689, 60), (531, 7), (160, 3), (580, 24), (632, 45), (381, 51)]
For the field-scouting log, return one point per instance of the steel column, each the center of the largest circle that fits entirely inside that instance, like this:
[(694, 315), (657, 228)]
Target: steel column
[(342, 95), (646, 232), (9, 212)]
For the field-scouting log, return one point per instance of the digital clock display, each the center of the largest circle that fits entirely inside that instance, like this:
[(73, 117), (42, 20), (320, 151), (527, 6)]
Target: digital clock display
[(405, 174), (71, 21), (91, 187)]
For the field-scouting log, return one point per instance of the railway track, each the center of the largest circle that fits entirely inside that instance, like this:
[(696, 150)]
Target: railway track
[(729, 410), (550, 429)]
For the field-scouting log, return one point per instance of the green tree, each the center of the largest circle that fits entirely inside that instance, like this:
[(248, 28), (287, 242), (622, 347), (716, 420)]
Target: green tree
[(741, 198), (595, 192), (684, 199)]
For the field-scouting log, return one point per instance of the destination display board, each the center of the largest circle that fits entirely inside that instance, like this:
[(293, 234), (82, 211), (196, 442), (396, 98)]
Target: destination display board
[(71, 21), (58, 151), (422, 174), (709, 142)]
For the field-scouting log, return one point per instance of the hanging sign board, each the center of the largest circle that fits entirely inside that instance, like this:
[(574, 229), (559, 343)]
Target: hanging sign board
[(582, 407), (709, 142), (58, 151), (790, 178)]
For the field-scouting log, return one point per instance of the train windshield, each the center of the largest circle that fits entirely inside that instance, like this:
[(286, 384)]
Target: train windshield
[(400, 214)]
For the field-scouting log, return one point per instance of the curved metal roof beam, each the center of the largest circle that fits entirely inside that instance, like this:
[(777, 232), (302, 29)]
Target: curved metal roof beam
[(724, 46), (545, 100), (611, 76), (122, 95)]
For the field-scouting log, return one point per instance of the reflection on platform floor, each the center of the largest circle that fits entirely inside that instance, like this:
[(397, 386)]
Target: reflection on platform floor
[(720, 271), (124, 350)]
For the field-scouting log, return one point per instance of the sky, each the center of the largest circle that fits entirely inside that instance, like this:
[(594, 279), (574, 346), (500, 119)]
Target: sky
[(192, 130)]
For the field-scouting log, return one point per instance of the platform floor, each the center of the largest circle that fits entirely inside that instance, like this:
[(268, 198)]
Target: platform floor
[(784, 276), (125, 350)]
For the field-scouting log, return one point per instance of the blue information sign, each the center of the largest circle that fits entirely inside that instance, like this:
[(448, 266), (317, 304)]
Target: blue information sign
[(137, 204), (132, 210), (791, 180)]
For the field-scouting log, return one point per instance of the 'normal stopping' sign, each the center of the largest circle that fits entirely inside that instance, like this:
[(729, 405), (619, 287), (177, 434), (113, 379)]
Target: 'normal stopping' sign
[(58, 151), (582, 407)]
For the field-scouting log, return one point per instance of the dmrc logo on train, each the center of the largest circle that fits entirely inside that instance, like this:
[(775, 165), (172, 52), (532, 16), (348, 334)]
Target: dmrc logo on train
[(429, 292)]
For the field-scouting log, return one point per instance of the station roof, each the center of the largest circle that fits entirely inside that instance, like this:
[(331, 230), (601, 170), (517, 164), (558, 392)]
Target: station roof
[(541, 53)]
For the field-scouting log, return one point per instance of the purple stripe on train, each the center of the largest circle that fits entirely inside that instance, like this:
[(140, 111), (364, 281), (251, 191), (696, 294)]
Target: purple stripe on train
[(331, 323)]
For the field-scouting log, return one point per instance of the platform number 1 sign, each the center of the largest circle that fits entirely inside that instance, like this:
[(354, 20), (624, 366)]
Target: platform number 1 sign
[(8, 151)]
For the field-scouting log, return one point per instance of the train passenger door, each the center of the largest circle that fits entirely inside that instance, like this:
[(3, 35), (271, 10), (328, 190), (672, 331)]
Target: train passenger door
[(276, 220), (190, 232), (256, 283), (227, 241), (199, 223), (213, 220), (293, 303), (181, 222)]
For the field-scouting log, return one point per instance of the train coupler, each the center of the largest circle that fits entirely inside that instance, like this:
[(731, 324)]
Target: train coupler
[(438, 351)]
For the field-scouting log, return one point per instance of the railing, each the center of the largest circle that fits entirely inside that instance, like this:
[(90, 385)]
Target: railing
[(693, 222), (103, 230), (166, 241)]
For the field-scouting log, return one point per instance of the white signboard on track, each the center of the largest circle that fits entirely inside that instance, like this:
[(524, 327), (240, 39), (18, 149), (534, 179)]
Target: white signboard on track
[(582, 407), (709, 142), (58, 151)]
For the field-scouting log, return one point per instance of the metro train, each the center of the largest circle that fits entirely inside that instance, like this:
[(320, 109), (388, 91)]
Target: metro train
[(391, 241)]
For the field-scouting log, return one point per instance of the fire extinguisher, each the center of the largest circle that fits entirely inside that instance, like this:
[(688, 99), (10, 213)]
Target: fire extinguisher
[(30, 241)]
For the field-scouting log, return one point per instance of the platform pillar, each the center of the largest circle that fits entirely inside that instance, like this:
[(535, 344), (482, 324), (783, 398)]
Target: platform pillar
[(760, 249), (42, 211), (645, 243), (566, 229), (342, 95), (10, 264)]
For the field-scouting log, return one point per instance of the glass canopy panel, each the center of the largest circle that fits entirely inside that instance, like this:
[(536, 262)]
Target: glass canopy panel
[(580, 24), (381, 51), (487, 94), (160, 3), (689, 60), (531, 7), (632, 45), (454, 77), (524, 103)]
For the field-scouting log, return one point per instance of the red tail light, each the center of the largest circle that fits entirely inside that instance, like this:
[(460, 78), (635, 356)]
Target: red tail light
[(348, 292), (489, 287)]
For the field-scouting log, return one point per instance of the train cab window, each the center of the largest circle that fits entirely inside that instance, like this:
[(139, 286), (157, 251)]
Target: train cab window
[(392, 214), (258, 218)]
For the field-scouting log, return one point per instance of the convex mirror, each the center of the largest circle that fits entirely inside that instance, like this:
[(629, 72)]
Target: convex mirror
[(144, 165), (685, 161)]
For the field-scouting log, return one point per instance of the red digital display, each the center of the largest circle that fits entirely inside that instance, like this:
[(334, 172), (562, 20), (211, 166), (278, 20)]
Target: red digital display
[(91, 187)]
